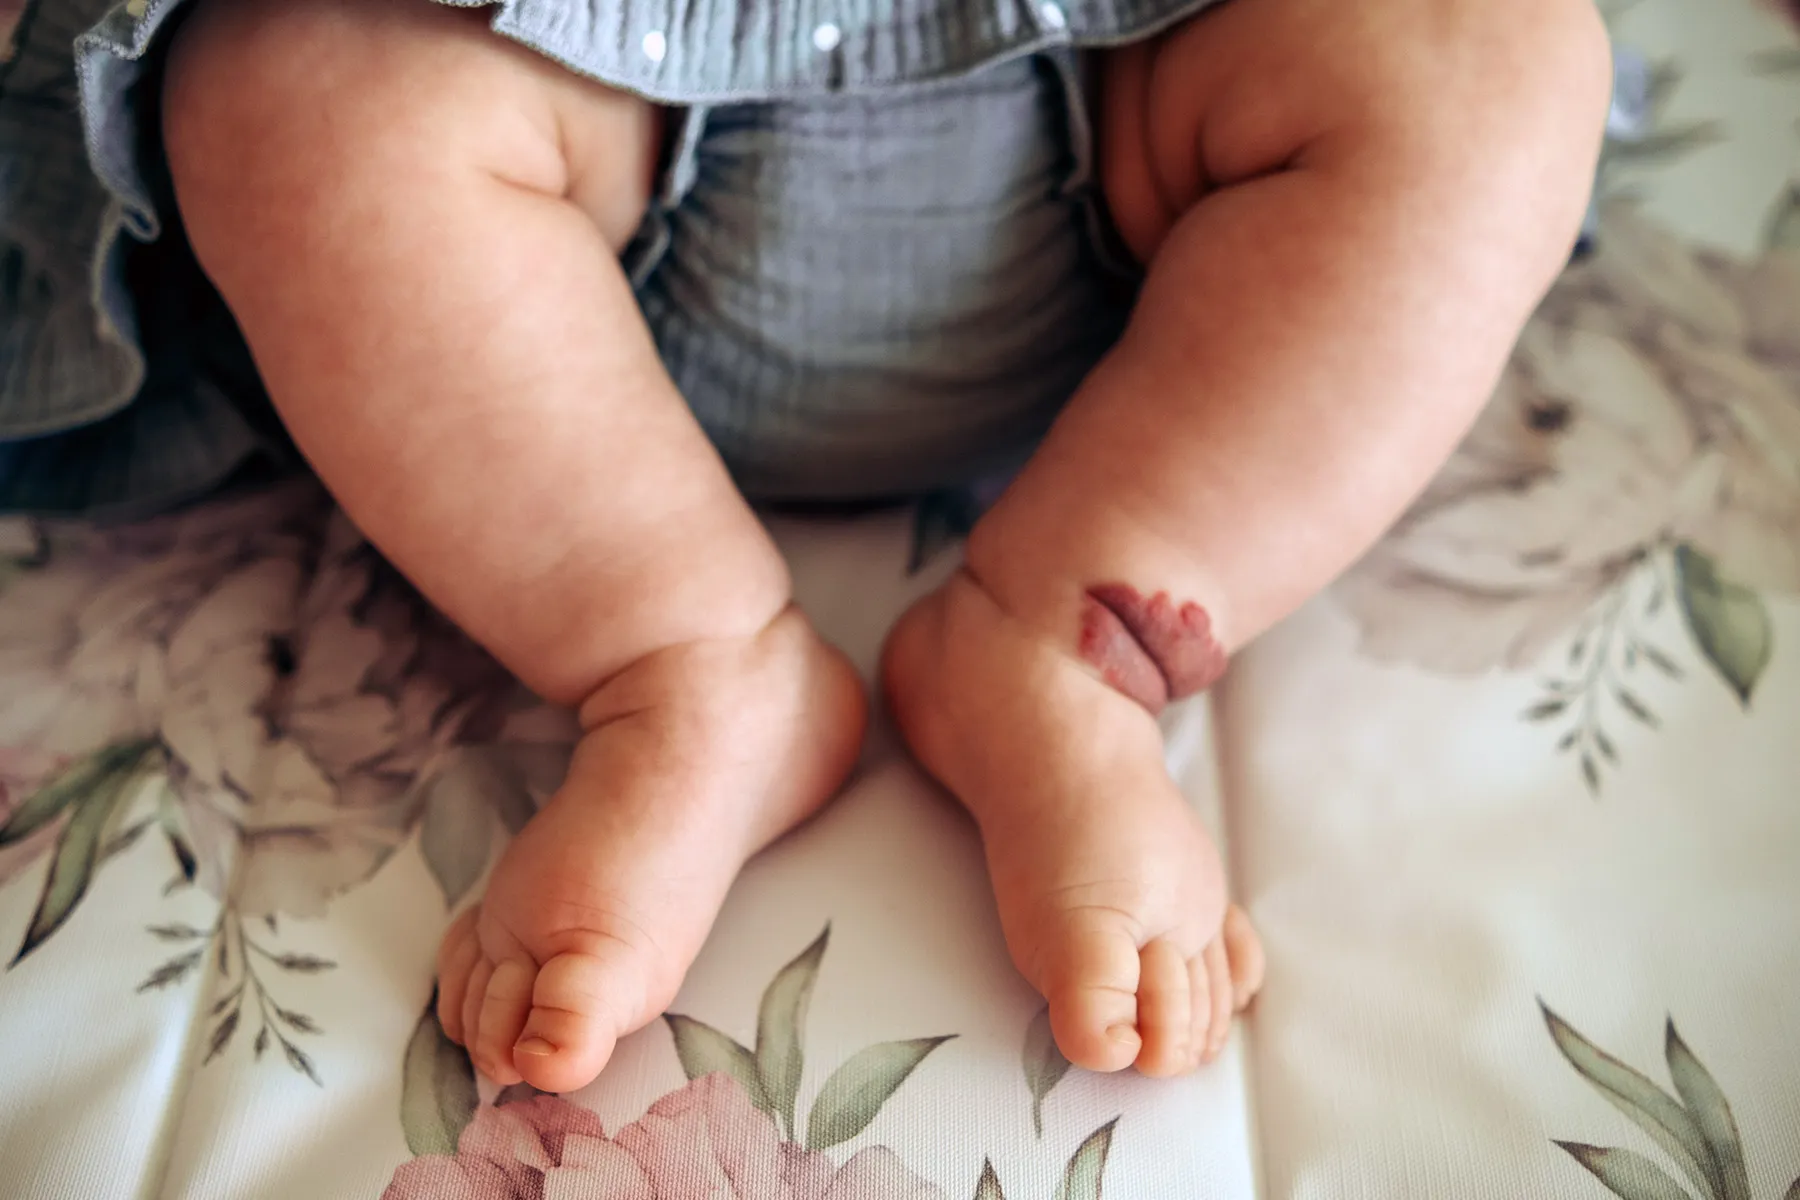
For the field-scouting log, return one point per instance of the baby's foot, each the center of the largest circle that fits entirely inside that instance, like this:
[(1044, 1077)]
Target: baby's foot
[(695, 758), (1111, 893)]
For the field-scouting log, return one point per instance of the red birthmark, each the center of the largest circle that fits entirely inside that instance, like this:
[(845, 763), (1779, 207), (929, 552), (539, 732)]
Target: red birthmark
[(1151, 650)]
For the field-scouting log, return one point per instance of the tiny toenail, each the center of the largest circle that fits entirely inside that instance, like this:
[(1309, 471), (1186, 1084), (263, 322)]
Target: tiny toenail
[(1122, 1033), (534, 1046)]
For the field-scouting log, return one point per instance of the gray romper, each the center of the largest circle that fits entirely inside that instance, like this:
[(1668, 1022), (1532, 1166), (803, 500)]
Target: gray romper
[(876, 261)]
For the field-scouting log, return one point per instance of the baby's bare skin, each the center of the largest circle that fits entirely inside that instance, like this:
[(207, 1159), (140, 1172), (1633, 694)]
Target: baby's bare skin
[(1347, 212)]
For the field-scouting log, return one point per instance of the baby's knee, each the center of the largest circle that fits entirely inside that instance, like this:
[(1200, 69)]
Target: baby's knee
[(1495, 112), (253, 84), (1448, 97), (1519, 81), (1510, 119), (280, 116), (276, 113)]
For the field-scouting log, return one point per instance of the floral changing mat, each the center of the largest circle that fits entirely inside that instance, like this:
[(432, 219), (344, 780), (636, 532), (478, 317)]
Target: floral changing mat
[(1516, 804)]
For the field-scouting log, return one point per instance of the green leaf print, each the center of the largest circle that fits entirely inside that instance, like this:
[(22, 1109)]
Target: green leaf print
[(437, 1095), (1666, 77), (942, 520), (1701, 1096), (1729, 623), (78, 850), (185, 863), (1086, 1173), (1649, 1107), (173, 971), (857, 1090), (70, 785), (1625, 1173), (704, 1051), (221, 1035), (516, 1093), (1776, 62), (1784, 220), (1083, 1179), (1044, 1065), (1666, 145), (301, 1062), (46, 804), (781, 1030), (457, 830)]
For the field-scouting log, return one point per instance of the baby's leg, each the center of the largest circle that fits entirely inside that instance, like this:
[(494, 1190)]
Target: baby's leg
[(1348, 211), (416, 224)]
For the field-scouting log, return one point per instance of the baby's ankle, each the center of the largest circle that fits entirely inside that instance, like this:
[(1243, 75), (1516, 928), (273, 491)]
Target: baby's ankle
[(688, 672), (781, 694), (1133, 619)]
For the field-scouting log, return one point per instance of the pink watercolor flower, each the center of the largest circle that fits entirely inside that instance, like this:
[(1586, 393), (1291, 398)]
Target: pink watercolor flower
[(705, 1140), (297, 780), (1653, 400), (300, 691)]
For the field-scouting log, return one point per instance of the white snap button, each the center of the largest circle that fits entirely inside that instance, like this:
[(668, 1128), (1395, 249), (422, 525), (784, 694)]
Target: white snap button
[(826, 37), (655, 45), (1053, 16)]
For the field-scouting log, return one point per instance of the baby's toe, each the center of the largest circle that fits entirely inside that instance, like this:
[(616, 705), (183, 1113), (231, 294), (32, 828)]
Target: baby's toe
[(1170, 1007), (1214, 1026), (457, 955), (1092, 986), (579, 1007), (1244, 950), (501, 1017), (473, 994)]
